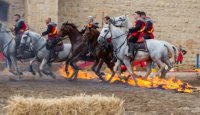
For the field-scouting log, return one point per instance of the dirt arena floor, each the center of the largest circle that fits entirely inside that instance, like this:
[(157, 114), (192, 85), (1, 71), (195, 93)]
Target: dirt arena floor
[(138, 101)]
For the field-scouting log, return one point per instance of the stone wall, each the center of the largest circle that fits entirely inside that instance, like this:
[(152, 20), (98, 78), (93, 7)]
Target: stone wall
[(176, 21), (15, 7), (38, 10)]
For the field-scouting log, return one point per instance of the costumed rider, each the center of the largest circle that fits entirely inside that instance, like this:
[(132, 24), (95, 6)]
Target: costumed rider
[(149, 29), (52, 37), (136, 34), (19, 28), (90, 24)]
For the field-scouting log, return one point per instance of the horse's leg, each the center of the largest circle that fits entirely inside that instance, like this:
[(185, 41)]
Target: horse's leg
[(31, 66), (75, 69), (41, 68), (130, 70), (67, 63), (161, 67), (8, 63), (148, 65), (98, 70), (51, 72), (112, 70), (14, 62), (94, 66), (169, 65), (117, 64), (99, 67)]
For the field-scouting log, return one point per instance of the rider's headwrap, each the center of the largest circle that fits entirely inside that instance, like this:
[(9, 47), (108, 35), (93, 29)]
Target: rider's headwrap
[(91, 17)]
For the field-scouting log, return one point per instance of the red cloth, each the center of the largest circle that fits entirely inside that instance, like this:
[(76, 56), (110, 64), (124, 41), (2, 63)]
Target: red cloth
[(180, 56), (139, 63), (136, 63), (1, 56), (140, 32), (24, 26)]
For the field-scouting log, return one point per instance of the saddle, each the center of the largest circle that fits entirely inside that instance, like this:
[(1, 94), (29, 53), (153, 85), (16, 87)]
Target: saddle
[(59, 46), (141, 46)]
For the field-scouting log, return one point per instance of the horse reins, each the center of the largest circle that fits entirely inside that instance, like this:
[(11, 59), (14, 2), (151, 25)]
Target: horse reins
[(119, 48), (7, 45)]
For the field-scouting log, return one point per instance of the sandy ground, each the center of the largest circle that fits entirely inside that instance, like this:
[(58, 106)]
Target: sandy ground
[(138, 101)]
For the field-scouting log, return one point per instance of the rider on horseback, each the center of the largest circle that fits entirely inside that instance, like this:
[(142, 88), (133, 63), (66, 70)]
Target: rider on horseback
[(136, 33), (91, 24), (106, 19), (19, 28), (52, 36), (149, 29)]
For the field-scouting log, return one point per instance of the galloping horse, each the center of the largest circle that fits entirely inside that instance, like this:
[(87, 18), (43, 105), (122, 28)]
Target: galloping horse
[(125, 24), (80, 48), (7, 46), (38, 44), (157, 51), (102, 53)]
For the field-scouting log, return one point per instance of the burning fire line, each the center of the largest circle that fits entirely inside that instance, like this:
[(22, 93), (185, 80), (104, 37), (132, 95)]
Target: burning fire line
[(156, 82)]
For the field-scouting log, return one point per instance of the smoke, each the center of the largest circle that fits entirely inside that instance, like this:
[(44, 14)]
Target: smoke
[(4, 7)]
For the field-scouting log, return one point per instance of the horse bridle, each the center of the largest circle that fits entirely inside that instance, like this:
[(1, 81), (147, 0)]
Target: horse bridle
[(104, 37), (119, 48), (7, 45), (32, 44), (113, 21)]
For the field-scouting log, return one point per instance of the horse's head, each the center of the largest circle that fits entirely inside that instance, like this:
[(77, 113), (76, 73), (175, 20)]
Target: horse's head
[(91, 34), (105, 34), (66, 28), (25, 40), (121, 21)]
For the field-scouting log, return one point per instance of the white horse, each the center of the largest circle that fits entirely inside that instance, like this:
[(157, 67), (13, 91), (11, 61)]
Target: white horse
[(7, 47), (38, 44), (125, 24), (157, 51)]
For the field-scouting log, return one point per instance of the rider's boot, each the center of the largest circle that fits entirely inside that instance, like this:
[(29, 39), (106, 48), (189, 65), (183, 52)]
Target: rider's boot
[(51, 56), (131, 50)]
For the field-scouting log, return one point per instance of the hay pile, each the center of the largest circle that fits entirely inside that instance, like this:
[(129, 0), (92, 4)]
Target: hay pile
[(75, 105)]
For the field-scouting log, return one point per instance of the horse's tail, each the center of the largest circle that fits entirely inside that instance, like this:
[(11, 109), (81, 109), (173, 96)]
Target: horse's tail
[(171, 49), (175, 53)]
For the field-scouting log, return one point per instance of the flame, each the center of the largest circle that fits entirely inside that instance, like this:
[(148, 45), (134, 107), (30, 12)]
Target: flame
[(155, 82)]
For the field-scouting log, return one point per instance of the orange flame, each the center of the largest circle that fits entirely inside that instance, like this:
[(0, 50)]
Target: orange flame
[(155, 82)]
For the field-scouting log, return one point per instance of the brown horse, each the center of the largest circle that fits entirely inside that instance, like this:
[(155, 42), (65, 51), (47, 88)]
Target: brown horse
[(100, 53), (80, 48)]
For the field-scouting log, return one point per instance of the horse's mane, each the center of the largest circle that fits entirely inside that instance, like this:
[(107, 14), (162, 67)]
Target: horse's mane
[(70, 24), (3, 27), (34, 33)]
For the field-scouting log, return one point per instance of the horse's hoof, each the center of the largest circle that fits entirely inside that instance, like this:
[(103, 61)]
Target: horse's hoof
[(109, 81), (33, 73), (102, 73), (19, 78), (12, 79), (52, 75), (67, 73), (40, 74), (70, 79), (102, 79), (126, 78)]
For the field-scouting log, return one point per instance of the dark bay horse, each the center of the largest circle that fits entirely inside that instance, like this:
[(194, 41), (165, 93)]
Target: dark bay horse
[(102, 53), (80, 49)]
